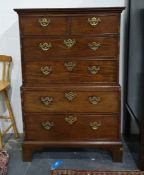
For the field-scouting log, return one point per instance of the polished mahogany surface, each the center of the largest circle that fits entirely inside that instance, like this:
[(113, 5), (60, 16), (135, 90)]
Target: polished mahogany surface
[(70, 68)]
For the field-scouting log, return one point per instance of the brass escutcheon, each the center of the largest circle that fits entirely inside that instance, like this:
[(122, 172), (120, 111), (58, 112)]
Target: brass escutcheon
[(95, 125), (47, 125), (71, 119), (70, 96), (45, 46), (94, 21), (44, 22), (94, 46), (94, 100), (70, 66), (46, 70), (46, 100), (69, 42), (94, 69)]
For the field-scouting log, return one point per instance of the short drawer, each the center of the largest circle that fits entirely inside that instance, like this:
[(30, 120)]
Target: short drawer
[(71, 127), (43, 25), (70, 71), (71, 99), (95, 24), (43, 47)]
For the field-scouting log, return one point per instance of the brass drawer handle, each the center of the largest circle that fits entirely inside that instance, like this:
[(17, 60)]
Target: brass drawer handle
[(94, 100), (46, 70), (70, 96), (44, 22), (46, 100), (69, 42), (70, 66), (95, 125), (45, 46), (47, 125), (94, 69), (71, 119), (94, 46), (94, 21)]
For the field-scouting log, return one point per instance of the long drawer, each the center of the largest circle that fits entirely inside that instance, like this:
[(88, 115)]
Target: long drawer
[(70, 71), (42, 47), (71, 99), (71, 127)]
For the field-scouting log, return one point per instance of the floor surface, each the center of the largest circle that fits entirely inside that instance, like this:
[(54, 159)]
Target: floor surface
[(85, 159)]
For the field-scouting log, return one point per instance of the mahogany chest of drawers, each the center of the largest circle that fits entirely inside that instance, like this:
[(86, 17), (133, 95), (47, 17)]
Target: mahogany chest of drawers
[(70, 69)]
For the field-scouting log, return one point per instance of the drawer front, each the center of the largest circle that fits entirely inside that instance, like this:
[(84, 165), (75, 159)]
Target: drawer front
[(43, 25), (95, 24), (70, 100), (70, 71), (36, 48), (71, 127)]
